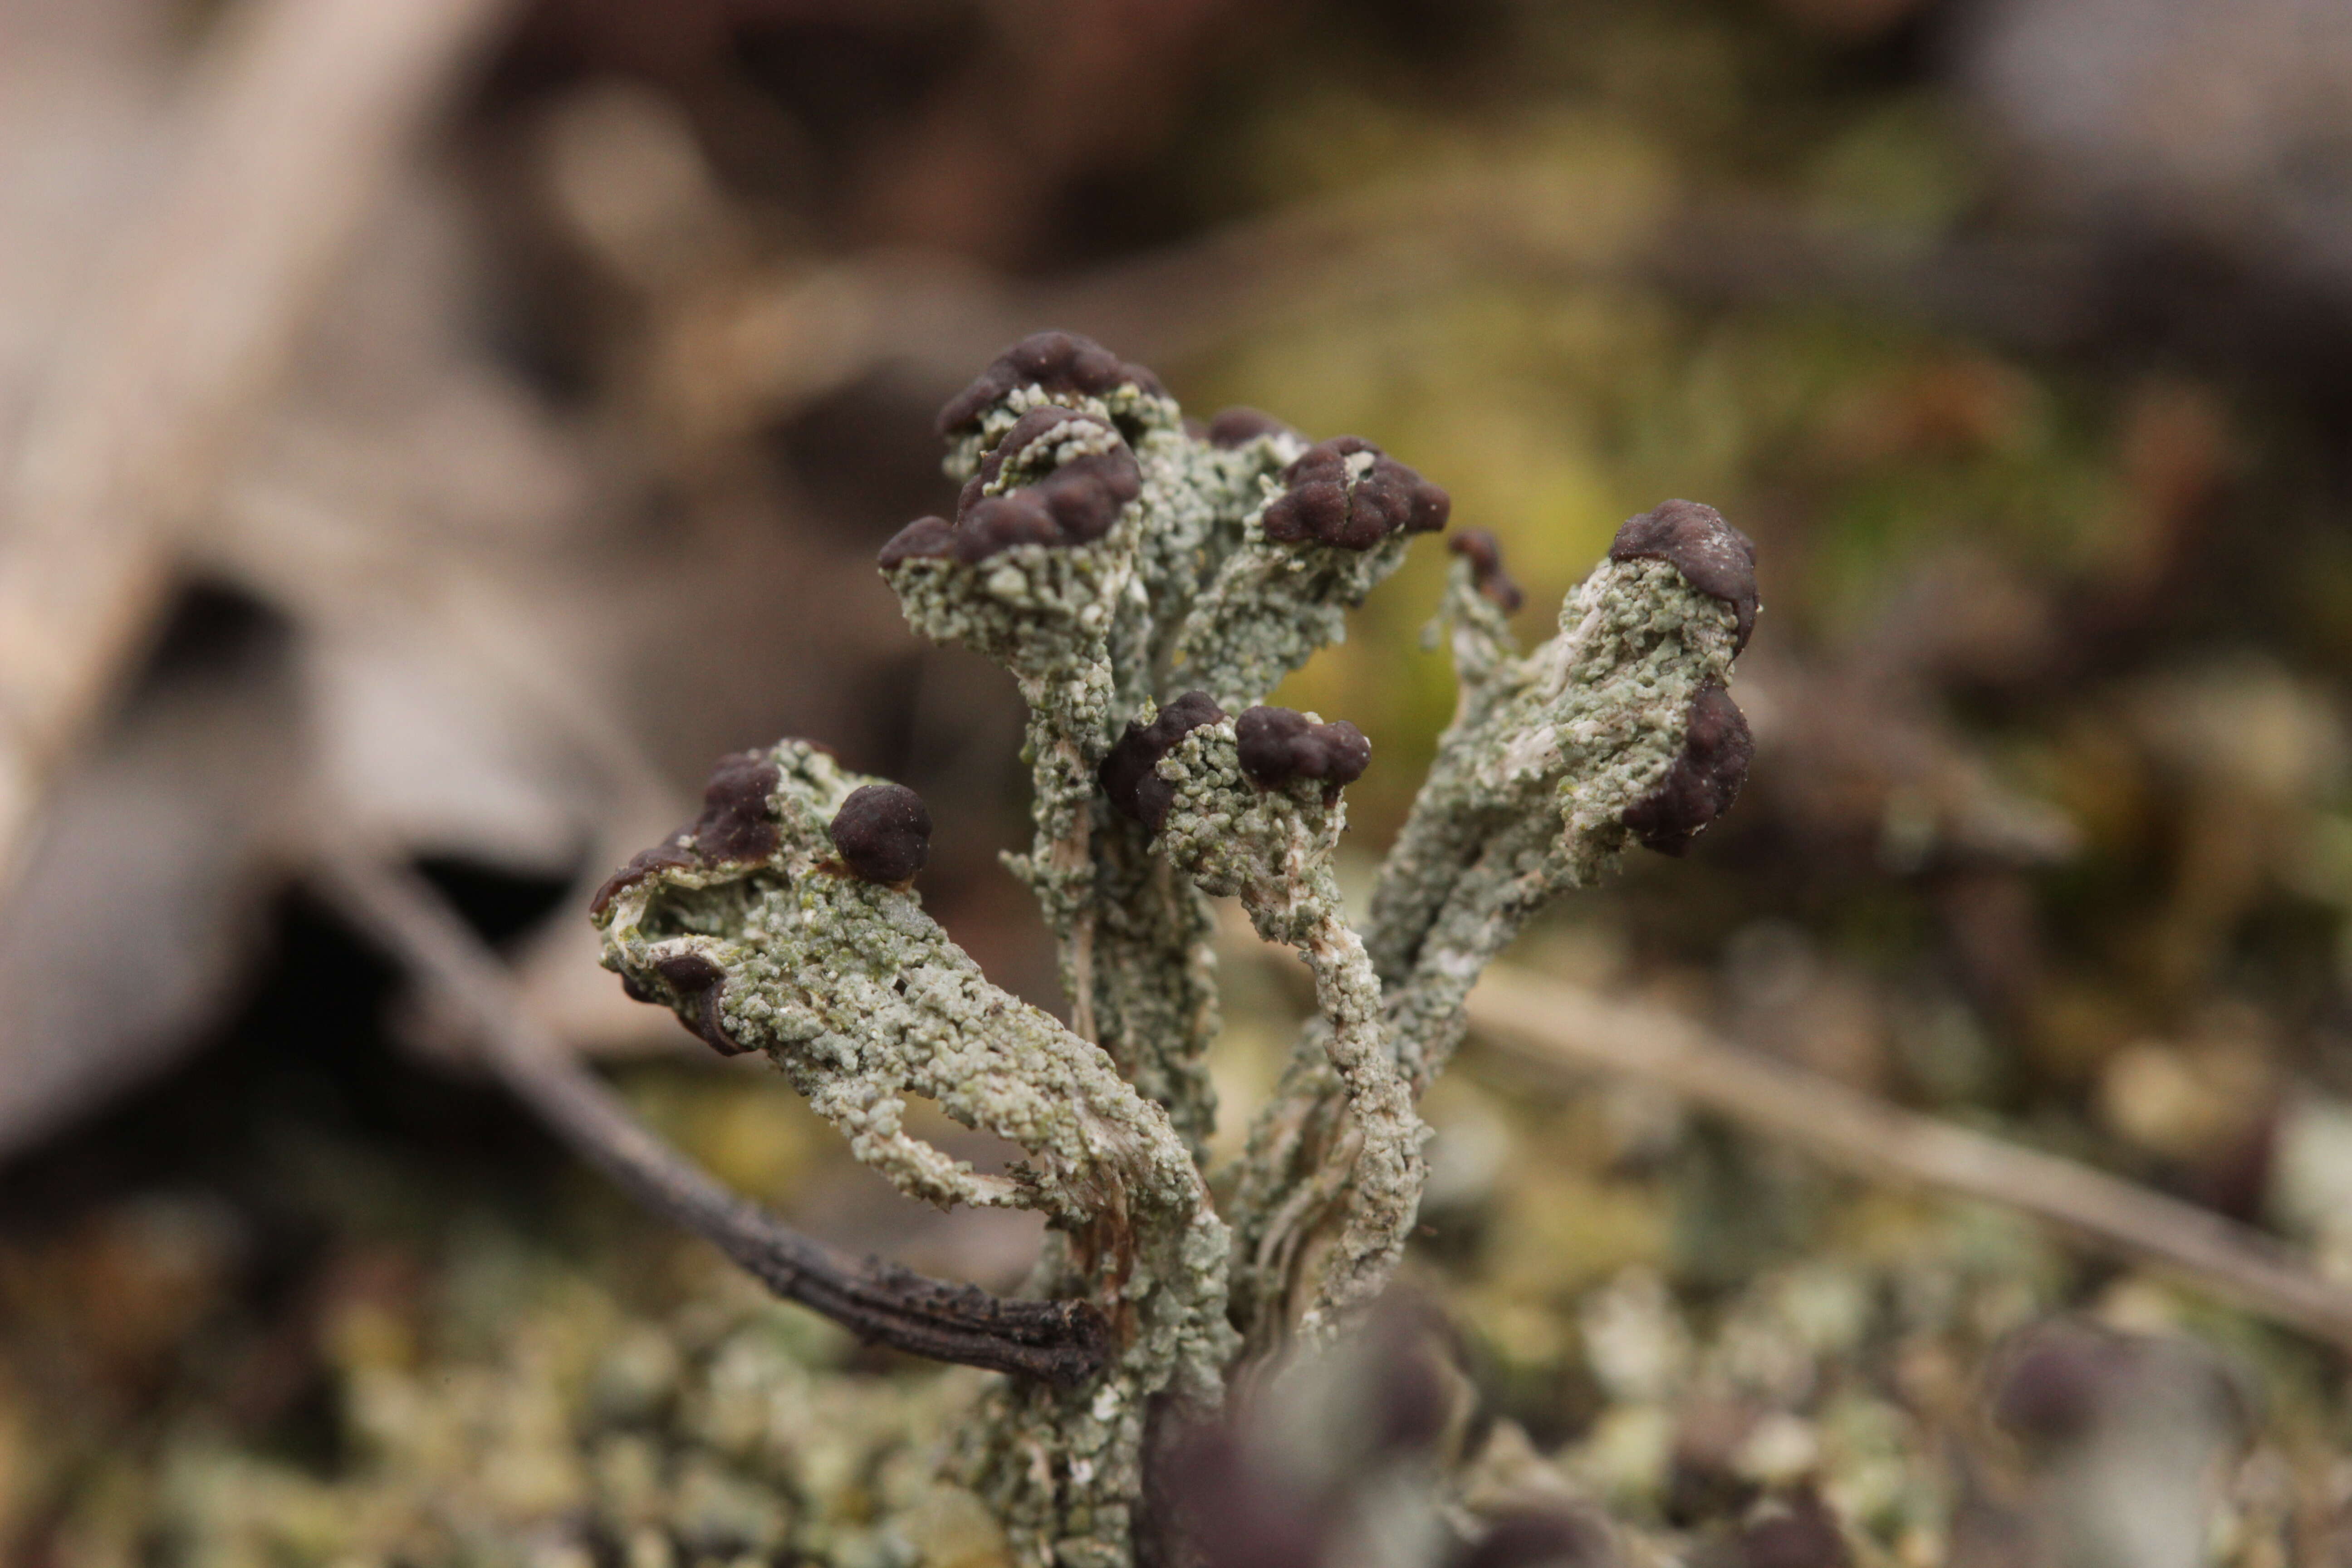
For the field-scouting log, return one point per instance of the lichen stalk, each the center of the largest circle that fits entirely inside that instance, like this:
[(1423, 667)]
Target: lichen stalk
[(1531, 783), (1155, 995), (1271, 845), (1528, 797), (1033, 574), (850, 989), (1333, 524), (1137, 577), (1155, 977), (1270, 609)]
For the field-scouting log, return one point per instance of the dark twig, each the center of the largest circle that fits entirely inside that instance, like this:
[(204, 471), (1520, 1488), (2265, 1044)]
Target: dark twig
[(1062, 1343)]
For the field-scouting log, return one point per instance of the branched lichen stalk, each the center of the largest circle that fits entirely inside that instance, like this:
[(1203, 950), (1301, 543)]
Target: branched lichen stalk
[(1616, 728), (862, 1001), (1338, 520), (1553, 761), (1265, 833), (1145, 582), (1155, 976), (1061, 1342), (1032, 574), (1155, 994)]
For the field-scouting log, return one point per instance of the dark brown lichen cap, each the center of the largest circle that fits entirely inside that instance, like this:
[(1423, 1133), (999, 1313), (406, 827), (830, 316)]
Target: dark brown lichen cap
[(1025, 431), (1484, 554), (1076, 503), (1127, 773), (1352, 505), (883, 833), (1278, 745), (1703, 781), (1713, 556), (1057, 361), (925, 538), (701, 987), (734, 826), (1238, 427)]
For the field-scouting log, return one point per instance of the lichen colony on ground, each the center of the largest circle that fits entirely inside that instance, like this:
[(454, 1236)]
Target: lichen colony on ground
[(1147, 581)]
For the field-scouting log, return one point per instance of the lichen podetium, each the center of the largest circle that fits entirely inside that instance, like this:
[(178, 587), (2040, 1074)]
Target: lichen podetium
[(1147, 582)]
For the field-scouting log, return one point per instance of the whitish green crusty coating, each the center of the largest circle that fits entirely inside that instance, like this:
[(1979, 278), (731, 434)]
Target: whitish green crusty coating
[(1062, 1468), (1155, 997), (1045, 613), (1088, 634), (1272, 847), (1532, 781), (1198, 499), (1087, 631), (862, 1001), (1525, 801), (1155, 974), (1271, 606)]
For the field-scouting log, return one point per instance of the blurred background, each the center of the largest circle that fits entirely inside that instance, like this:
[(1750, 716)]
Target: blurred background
[(452, 430)]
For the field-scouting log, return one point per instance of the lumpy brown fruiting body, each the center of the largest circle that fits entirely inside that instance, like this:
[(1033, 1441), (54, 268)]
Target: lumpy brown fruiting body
[(1074, 503), (1703, 781), (734, 828), (1278, 745), (1713, 556), (1484, 554), (1127, 773), (692, 975), (883, 833), (1348, 494), (1055, 361)]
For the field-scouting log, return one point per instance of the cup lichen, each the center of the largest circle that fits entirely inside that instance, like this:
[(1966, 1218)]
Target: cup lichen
[(1142, 579)]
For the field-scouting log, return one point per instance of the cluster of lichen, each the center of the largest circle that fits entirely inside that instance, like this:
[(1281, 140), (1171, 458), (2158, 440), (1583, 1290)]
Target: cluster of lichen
[(1147, 582)]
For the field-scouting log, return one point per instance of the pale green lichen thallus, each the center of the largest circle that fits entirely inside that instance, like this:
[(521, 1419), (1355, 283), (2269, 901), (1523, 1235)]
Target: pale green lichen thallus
[(1146, 581)]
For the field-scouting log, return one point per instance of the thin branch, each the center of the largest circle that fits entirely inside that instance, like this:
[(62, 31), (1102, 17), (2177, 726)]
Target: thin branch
[(1061, 1342), (1558, 1032)]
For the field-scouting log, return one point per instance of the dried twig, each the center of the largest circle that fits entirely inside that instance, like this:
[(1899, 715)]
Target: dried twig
[(298, 115), (1558, 1031), (1062, 1343)]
